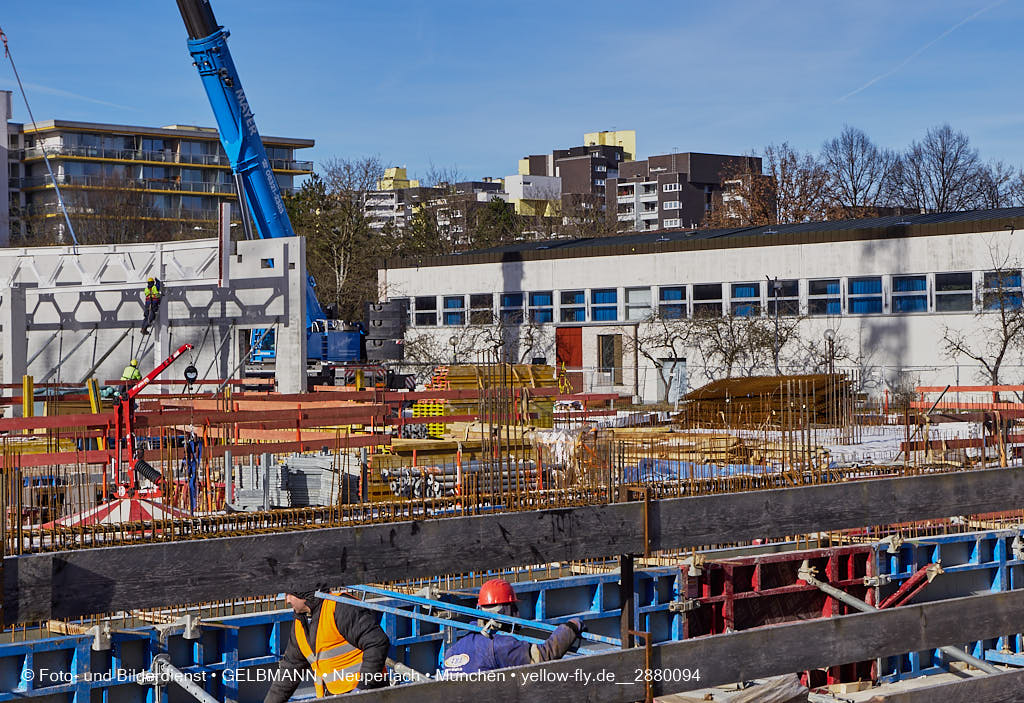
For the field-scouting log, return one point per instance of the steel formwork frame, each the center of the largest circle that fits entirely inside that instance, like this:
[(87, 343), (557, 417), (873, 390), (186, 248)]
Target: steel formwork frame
[(252, 642), (740, 593), (971, 562)]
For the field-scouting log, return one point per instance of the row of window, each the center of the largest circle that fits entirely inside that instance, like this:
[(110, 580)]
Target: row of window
[(864, 295)]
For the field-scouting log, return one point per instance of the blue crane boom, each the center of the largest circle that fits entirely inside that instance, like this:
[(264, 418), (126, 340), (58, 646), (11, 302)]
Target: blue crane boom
[(238, 134)]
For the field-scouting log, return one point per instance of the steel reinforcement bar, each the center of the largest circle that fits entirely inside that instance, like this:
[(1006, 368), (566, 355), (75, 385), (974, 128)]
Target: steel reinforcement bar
[(69, 584)]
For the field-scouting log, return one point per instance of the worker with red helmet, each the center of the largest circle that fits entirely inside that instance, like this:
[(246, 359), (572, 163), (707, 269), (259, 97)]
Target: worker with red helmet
[(486, 651)]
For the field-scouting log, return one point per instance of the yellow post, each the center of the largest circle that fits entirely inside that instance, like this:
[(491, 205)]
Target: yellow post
[(27, 396), (94, 403), (359, 380)]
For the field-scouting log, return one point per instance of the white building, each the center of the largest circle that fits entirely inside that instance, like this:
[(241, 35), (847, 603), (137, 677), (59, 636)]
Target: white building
[(887, 290)]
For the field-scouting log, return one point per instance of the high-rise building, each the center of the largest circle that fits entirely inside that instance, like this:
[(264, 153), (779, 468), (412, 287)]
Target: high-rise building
[(158, 181), (583, 170), (672, 190)]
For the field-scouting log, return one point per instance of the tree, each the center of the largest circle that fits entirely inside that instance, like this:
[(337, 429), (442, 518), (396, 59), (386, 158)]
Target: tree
[(342, 249), (660, 337), (1000, 320), (940, 173), (113, 209), (749, 343), (858, 173), (997, 186), (494, 224), (792, 187)]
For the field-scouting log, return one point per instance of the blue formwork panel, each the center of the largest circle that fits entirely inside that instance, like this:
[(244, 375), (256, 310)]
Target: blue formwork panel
[(972, 563), (254, 643)]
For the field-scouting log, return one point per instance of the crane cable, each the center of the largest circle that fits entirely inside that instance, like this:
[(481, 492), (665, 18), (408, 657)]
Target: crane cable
[(42, 147)]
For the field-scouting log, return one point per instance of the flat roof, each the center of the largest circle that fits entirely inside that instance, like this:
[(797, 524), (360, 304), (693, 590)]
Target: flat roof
[(185, 131), (667, 240)]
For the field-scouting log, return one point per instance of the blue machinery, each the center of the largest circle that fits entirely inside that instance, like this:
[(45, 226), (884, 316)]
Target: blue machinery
[(259, 191), (419, 627)]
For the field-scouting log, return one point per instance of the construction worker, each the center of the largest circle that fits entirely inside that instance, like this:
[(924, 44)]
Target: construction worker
[(343, 645), (483, 652), (131, 372), (152, 292)]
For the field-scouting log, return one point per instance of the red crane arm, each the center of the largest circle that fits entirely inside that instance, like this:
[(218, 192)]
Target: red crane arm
[(148, 378)]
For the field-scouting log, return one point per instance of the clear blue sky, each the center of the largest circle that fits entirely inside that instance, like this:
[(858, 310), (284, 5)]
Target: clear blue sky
[(477, 85)]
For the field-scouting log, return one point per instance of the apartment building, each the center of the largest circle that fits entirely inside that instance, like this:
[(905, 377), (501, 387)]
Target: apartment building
[(583, 171), (170, 179), (671, 190)]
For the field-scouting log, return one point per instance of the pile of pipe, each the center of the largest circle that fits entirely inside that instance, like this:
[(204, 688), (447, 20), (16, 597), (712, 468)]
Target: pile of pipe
[(449, 480)]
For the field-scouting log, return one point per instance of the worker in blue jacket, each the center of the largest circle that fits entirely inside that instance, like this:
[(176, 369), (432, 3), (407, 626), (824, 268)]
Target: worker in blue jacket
[(482, 652)]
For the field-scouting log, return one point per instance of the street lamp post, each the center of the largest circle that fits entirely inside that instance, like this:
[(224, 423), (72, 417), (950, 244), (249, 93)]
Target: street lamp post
[(830, 341), (776, 287), (454, 341)]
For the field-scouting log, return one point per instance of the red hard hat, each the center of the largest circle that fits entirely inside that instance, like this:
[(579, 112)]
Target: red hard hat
[(496, 592)]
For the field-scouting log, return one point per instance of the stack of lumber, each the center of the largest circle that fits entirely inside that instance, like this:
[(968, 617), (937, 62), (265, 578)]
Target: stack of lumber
[(757, 401), (516, 377)]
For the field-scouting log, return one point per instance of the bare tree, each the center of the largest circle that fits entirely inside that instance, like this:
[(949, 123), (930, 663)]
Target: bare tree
[(792, 187), (858, 173), (940, 173), (1000, 319), (343, 251), (996, 185), (657, 338), (112, 209)]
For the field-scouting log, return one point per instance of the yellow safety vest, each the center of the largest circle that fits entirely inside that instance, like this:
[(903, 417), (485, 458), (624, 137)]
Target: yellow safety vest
[(131, 373), (152, 292), (335, 662)]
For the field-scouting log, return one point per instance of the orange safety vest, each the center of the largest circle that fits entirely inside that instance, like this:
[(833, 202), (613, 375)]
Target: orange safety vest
[(335, 662)]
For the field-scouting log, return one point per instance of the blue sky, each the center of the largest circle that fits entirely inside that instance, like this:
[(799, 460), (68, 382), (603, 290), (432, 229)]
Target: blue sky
[(477, 85)]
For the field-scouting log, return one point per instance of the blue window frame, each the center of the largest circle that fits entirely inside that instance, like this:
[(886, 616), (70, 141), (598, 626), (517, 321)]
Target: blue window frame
[(823, 297), (865, 295), (604, 304), (909, 294), (541, 309), (746, 299), (672, 302)]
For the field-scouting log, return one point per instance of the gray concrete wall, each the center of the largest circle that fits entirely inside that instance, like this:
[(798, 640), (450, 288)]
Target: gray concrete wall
[(78, 302)]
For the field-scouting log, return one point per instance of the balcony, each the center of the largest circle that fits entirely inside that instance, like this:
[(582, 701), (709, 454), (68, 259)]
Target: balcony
[(626, 198), (161, 184), (165, 156), (626, 216), (53, 209)]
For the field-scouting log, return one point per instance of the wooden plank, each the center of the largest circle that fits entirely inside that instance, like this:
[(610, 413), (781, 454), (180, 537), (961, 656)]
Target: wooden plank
[(96, 456), (87, 581), (738, 656), (968, 389), (997, 688), (941, 444)]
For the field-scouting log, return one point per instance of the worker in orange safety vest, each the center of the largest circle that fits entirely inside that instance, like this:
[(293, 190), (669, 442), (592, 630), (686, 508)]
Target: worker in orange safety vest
[(341, 647)]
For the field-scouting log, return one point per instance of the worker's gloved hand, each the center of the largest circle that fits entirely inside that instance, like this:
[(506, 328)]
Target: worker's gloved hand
[(578, 626), (560, 641)]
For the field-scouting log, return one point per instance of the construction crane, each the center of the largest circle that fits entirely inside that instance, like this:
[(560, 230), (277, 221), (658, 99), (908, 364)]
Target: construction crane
[(125, 425), (259, 194)]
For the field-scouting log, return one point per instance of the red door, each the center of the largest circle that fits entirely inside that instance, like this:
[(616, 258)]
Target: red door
[(569, 352)]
